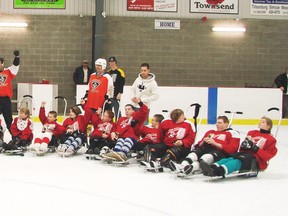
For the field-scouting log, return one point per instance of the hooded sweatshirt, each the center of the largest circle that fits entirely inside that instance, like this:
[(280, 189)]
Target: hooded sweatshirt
[(145, 89)]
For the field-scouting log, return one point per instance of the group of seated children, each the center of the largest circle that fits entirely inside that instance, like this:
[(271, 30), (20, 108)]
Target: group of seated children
[(166, 143), (218, 153)]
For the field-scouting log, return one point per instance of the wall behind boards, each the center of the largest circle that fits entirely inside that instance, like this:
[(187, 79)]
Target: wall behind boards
[(52, 46)]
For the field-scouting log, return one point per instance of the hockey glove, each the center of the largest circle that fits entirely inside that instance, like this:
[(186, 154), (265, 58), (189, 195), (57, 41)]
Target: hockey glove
[(248, 144), (16, 60), (16, 53)]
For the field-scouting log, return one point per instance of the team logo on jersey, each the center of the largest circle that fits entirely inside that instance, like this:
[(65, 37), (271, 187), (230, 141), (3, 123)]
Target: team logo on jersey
[(105, 127), (48, 128), (152, 137), (95, 84), (177, 133), (22, 124), (125, 122), (220, 137), (3, 78)]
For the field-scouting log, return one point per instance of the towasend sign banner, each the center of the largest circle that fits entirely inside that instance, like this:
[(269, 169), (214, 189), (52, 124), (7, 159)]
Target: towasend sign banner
[(214, 6), (39, 4), (269, 7), (152, 5)]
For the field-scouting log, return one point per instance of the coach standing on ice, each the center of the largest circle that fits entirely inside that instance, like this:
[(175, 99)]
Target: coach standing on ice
[(145, 87), (6, 76)]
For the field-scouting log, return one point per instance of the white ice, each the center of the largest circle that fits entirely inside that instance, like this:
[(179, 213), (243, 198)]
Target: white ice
[(52, 185)]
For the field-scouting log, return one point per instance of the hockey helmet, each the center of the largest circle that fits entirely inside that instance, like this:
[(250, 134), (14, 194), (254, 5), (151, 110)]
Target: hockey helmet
[(102, 62)]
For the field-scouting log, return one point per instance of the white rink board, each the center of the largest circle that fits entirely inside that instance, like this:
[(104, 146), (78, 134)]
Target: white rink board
[(253, 102), (173, 97)]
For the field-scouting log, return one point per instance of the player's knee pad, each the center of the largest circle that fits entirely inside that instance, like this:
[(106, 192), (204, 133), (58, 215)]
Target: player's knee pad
[(191, 157), (208, 158)]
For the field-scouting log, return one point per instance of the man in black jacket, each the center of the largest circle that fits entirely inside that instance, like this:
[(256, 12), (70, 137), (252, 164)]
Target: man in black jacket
[(82, 73), (281, 82)]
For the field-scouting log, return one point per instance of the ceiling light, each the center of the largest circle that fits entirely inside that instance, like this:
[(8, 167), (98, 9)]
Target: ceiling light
[(228, 29), (14, 24)]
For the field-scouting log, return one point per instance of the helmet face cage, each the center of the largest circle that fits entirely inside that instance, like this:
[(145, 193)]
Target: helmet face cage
[(101, 62)]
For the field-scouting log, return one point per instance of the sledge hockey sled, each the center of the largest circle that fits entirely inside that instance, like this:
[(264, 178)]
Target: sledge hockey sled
[(14, 153), (113, 161)]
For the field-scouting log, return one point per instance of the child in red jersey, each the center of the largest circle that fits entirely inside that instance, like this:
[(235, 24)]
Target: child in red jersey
[(255, 151), (75, 132), (214, 145), (21, 130), (128, 130), (176, 137), (101, 135), (50, 128), (149, 134)]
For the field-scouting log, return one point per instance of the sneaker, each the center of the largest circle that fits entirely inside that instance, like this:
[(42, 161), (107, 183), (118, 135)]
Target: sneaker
[(31, 147), (43, 147), (37, 147), (104, 150), (62, 148), (69, 151)]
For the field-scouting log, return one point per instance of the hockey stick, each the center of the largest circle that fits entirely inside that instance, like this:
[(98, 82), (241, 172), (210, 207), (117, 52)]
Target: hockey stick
[(279, 118), (232, 116)]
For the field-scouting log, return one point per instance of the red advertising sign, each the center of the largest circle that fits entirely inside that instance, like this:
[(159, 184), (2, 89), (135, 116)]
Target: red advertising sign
[(140, 5)]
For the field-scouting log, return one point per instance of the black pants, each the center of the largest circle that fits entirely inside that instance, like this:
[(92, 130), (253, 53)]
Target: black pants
[(6, 110), (247, 160), (100, 143), (208, 149), (159, 150)]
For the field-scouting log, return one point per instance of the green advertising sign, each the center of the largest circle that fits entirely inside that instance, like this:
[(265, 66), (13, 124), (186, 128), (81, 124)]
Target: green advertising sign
[(39, 4)]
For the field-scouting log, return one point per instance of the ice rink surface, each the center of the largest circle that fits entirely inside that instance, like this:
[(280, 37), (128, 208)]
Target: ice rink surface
[(52, 185)]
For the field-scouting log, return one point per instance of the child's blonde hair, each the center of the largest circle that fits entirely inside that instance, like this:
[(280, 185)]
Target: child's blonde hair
[(26, 111)]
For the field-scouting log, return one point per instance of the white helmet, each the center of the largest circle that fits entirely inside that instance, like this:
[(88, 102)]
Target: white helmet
[(101, 62)]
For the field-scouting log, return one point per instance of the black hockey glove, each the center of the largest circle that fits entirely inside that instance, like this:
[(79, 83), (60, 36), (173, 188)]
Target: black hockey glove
[(16, 61), (16, 53), (248, 144)]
